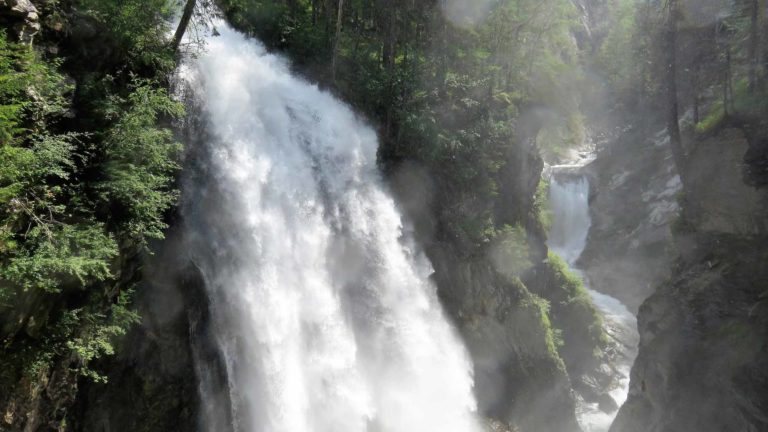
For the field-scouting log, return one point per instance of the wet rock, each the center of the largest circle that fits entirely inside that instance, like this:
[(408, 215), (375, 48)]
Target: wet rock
[(519, 378), (607, 404), (492, 425), (703, 361), (152, 380), (633, 210)]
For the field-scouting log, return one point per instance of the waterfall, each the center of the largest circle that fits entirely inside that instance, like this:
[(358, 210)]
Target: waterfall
[(569, 201), (321, 304)]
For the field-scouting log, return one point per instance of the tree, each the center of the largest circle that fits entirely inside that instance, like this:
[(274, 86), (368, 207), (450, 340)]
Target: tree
[(186, 16), (754, 42), (336, 38), (669, 44)]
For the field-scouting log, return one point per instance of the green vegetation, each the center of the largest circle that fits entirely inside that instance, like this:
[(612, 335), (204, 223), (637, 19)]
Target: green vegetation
[(744, 101), (623, 56), (541, 211), (554, 336), (81, 195), (140, 163), (584, 339), (136, 32), (714, 118)]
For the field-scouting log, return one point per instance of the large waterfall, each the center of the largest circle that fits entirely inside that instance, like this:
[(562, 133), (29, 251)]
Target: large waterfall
[(321, 305), (569, 200)]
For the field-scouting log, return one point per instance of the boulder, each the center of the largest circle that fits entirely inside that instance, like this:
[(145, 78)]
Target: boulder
[(22, 16)]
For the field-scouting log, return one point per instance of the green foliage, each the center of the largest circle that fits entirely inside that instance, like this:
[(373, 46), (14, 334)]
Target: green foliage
[(744, 101), (573, 312), (560, 135), (96, 333), (714, 117), (57, 254), (622, 48), (554, 336), (542, 212), (81, 196), (141, 162), (12, 84), (138, 30), (80, 335), (44, 242), (31, 90)]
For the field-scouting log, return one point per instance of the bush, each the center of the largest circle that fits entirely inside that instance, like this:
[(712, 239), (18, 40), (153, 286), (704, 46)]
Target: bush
[(541, 211), (573, 312), (80, 196)]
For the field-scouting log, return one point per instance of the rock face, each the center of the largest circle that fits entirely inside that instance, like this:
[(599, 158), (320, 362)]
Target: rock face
[(22, 17), (703, 360), (718, 201), (152, 380), (633, 204), (519, 376)]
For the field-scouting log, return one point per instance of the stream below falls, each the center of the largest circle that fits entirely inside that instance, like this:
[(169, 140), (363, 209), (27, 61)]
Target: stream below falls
[(569, 202)]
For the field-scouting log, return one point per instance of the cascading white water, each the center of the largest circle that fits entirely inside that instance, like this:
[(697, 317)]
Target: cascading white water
[(322, 307), (569, 201)]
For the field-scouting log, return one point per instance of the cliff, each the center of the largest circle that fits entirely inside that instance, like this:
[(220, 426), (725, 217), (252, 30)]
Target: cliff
[(703, 354), (633, 204)]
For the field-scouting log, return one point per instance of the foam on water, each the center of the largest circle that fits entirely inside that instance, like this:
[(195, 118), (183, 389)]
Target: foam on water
[(321, 304), (569, 200)]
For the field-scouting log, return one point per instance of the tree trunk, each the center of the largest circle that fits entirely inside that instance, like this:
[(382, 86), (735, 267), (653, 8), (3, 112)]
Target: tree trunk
[(673, 122), (389, 53), (443, 60), (695, 89), (729, 102), (186, 17), (390, 43), (754, 41), (763, 24), (337, 37)]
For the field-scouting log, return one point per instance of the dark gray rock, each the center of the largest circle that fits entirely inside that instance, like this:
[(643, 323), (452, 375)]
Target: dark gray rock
[(633, 203), (607, 404), (703, 358), (703, 361)]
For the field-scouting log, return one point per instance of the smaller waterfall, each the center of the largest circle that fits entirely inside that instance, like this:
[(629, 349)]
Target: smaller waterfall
[(569, 200)]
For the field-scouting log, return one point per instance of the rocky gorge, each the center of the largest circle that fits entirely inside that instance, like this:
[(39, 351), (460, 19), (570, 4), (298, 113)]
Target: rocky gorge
[(356, 151)]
